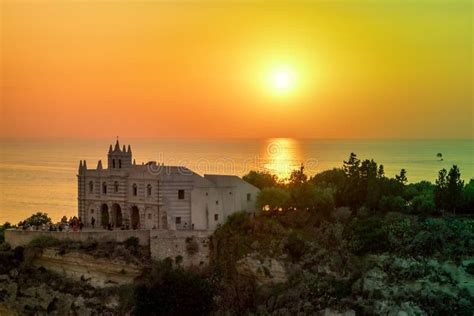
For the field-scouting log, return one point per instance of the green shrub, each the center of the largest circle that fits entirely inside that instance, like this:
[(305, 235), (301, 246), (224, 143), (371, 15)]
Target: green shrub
[(470, 268), (4, 227), (392, 204), (295, 246), (10, 259), (423, 205), (368, 235), (178, 259), (132, 243)]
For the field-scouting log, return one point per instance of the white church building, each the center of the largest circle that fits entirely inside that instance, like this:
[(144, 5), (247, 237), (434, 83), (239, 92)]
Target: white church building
[(155, 196)]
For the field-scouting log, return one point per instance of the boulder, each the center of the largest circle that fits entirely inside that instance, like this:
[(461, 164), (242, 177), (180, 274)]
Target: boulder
[(263, 270)]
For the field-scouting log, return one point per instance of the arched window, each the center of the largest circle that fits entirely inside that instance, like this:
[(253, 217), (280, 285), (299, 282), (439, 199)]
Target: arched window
[(116, 186), (113, 163), (148, 190), (91, 186), (135, 189), (104, 187), (120, 163)]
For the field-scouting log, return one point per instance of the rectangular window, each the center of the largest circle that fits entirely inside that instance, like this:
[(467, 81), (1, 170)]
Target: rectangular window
[(249, 196), (181, 194), (217, 202), (149, 216), (178, 220), (216, 217)]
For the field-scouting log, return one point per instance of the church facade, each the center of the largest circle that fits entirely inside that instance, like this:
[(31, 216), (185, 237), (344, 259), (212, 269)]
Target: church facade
[(155, 196)]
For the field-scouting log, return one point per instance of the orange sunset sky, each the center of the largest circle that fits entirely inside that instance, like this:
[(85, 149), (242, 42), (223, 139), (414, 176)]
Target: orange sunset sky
[(352, 69)]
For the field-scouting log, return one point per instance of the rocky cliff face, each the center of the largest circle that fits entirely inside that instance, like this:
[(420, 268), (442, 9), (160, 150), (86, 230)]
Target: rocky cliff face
[(53, 281), (98, 272), (264, 270), (37, 292)]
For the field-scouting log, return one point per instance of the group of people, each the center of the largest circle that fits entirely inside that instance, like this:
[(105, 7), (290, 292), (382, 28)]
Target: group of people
[(72, 224)]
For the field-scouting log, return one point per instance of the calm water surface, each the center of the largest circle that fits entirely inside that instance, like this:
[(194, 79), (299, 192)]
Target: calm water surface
[(40, 175)]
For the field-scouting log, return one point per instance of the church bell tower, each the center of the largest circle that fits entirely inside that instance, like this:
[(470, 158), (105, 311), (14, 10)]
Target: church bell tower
[(119, 158)]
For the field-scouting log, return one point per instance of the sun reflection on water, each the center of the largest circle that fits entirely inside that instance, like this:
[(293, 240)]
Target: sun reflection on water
[(281, 156)]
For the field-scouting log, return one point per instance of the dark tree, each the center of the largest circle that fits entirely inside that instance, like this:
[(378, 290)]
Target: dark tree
[(440, 190), (297, 177), (38, 219), (449, 189), (351, 187), (455, 187), (468, 198), (402, 177), (381, 172), (261, 179)]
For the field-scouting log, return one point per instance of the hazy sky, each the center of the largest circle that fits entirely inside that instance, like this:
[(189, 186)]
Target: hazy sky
[(359, 69)]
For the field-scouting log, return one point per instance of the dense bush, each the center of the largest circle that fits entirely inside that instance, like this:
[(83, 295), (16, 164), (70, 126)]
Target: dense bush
[(392, 204), (272, 199), (10, 258), (4, 227), (261, 179), (132, 243), (423, 205), (368, 235), (295, 246), (173, 291)]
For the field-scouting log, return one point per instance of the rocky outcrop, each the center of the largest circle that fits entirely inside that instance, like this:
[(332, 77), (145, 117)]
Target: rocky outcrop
[(25, 296), (98, 272), (263, 269), (394, 285)]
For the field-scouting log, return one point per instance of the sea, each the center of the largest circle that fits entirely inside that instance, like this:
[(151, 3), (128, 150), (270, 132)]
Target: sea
[(41, 174)]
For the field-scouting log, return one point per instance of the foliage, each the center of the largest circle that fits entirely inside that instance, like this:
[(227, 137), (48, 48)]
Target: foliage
[(173, 291), (402, 177), (423, 205), (420, 188), (272, 199), (470, 268), (308, 197), (468, 198), (449, 189), (333, 179), (392, 204), (132, 243), (367, 235), (4, 227), (261, 179), (295, 246), (38, 219)]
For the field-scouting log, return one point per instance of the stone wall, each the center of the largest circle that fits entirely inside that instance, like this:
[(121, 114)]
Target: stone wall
[(189, 248), (16, 237)]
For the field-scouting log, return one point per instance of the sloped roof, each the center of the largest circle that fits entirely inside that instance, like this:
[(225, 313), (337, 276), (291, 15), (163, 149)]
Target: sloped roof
[(225, 180)]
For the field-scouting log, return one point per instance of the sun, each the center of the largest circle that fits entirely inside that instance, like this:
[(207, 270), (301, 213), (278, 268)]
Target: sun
[(281, 80)]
